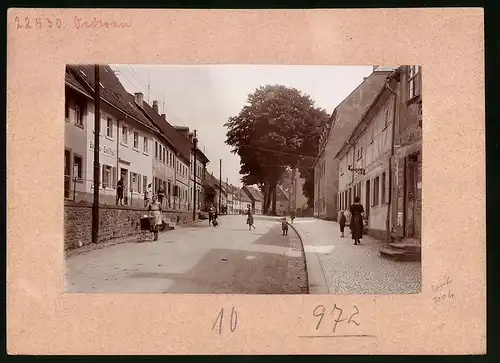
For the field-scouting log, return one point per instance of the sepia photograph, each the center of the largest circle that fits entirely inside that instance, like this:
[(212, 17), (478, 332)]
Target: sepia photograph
[(243, 179)]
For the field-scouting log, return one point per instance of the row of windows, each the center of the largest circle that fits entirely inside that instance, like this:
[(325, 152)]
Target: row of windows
[(375, 193)]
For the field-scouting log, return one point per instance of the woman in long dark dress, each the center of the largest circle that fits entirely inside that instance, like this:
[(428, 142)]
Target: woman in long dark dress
[(356, 224)]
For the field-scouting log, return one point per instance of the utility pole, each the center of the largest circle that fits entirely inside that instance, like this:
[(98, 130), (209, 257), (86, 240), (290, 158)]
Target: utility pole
[(220, 183), (229, 189), (195, 142), (97, 128)]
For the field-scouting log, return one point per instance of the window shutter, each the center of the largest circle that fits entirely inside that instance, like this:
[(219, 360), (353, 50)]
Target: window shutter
[(139, 178)]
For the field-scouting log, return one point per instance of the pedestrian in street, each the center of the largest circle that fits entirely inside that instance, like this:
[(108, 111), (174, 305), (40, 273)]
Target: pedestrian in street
[(356, 224), (119, 191), (215, 220), (250, 218), (342, 222), (211, 214), (161, 194), (155, 210), (292, 215), (284, 226), (148, 194)]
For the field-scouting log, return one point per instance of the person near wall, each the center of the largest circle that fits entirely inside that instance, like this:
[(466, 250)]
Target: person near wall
[(292, 215), (342, 223), (119, 191), (357, 211), (250, 218), (148, 193), (161, 195), (155, 210)]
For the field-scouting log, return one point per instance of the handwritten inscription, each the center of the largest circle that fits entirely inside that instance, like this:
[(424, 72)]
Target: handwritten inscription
[(442, 291), (39, 23), (233, 321), (336, 313), (96, 23)]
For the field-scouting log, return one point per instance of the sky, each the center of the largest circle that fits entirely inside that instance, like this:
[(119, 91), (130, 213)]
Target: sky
[(203, 97)]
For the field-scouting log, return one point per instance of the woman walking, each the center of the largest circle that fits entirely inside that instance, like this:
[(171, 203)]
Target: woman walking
[(356, 224), (250, 218), (155, 212)]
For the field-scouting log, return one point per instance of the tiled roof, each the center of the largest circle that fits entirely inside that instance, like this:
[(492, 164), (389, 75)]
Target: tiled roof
[(254, 193), (72, 81), (179, 142), (111, 89), (280, 194)]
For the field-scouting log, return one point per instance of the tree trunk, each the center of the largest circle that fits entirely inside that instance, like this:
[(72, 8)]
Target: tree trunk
[(268, 198), (265, 206)]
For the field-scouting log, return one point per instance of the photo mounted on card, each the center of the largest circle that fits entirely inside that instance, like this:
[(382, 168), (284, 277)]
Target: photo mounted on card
[(275, 177), (241, 177)]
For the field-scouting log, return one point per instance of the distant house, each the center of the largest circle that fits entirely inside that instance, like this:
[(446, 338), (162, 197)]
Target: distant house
[(256, 198), (282, 202), (219, 192), (241, 201)]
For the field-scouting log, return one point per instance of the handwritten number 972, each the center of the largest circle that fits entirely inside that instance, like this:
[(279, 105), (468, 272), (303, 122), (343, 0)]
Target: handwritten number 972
[(233, 321), (336, 312)]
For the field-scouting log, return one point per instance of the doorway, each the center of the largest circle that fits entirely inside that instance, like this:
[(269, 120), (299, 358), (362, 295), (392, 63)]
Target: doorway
[(367, 198), (124, 175), (414, 206)]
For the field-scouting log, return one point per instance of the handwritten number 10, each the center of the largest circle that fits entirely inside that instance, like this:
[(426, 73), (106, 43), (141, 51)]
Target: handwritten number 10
[(232, 322)]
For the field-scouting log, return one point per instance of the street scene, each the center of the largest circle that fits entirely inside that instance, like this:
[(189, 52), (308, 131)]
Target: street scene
[(243, 179)]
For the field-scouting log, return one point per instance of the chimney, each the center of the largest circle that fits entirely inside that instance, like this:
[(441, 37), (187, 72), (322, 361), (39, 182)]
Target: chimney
[(139, 98), (155, 106), (164, 116)]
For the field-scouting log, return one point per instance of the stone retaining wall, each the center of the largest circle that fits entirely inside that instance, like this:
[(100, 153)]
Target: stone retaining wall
[(114, 222)]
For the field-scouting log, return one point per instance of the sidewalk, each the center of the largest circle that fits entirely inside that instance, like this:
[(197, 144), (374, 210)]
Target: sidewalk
[(336, 266)]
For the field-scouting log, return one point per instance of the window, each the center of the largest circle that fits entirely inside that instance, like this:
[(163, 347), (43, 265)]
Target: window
[(106, 176), (360, 153), (78, 162), (124, 135), (78, 115), (156, 149), (134, 182), (144, 182), (164, 155), (383, 188), (376, 191), (109, 127), (66, 111), (386, 118), (413, 82), (168, 188), (136, 140), (145, 146)]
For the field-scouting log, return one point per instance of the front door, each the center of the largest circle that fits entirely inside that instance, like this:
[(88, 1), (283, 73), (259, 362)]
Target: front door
[(367, 198), (124, 175), (414, 208)]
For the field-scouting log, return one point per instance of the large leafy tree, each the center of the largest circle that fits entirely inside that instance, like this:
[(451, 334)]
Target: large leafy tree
[(278, 128)]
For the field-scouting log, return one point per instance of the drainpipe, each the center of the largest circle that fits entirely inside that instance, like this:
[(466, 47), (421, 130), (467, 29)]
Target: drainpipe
[(389, 209)]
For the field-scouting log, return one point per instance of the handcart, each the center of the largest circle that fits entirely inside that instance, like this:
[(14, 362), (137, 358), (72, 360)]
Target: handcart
[(147, 231)]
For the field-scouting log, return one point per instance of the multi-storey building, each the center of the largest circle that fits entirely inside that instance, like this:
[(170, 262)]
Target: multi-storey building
[(344, 119)]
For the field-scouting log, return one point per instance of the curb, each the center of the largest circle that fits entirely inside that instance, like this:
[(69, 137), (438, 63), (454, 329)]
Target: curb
[(315, 277)]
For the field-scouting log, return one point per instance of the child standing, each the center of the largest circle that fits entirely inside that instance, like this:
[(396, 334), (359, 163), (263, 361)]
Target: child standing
[(342, 223), (284, 226)]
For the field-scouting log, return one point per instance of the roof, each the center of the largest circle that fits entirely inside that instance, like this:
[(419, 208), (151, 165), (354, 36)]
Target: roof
[(349, 112), (280, 195), (253, 193), (111, 89), (179, 142), (202, 156), (211, 180), (237, 192), (73, 83)]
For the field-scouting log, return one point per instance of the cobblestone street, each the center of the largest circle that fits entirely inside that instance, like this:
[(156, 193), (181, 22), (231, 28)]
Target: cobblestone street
[(350, 269), (198, 259)]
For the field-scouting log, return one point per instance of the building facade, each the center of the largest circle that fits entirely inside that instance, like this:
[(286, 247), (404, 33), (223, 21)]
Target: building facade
[(298, 201), (406, 205), (136, 143), (341, 124), (282, 202), (255, 197), (364, 164), (124, 140)]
